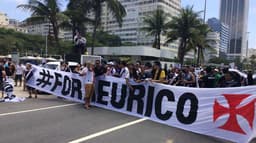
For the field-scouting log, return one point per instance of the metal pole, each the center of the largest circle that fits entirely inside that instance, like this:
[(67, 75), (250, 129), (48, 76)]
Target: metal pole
[(205, 4), (247, 44), (46, 45)]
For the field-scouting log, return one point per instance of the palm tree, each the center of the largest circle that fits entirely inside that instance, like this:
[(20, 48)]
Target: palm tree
[(77, 11), (183, 28), (156, 24), (114, 6), (200, 43), (47, 10), (253, 61)]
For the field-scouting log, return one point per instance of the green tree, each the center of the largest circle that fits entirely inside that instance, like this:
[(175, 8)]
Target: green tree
[(108, 39), (77, 11), (46, 10), (156, 24), (183, 28), (114, 6), (200, 43), (252, 61)]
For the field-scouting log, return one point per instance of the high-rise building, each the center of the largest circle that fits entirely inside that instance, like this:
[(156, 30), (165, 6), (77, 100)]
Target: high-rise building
[(223, 30), (234, 13), (214, 43), (133, 22)]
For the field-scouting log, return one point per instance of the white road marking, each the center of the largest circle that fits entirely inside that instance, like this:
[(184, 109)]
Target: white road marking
[(86, 138), (39, 109)]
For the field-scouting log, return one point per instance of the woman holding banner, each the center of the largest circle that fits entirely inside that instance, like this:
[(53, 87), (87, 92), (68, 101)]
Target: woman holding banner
[(88, 73)]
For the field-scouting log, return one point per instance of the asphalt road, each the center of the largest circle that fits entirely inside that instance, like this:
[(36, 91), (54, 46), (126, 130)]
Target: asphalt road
[(52, 120)]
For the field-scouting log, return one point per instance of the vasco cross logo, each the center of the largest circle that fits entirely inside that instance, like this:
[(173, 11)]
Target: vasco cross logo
[(247, 111)]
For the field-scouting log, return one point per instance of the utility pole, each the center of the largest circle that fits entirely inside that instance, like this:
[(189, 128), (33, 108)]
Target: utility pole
[(205, 4)]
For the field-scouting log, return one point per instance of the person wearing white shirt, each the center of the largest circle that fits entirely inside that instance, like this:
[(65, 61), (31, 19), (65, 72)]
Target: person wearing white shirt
[(18, 74), (88, 77), (125, 74)]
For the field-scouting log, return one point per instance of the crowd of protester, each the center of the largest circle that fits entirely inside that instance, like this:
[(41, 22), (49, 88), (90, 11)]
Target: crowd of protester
[(209, 77), (12, 73)]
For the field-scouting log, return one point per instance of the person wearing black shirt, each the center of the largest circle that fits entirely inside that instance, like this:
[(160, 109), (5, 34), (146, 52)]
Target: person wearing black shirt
[(99, 69), (2, 78), (249, 78), (208, 79)]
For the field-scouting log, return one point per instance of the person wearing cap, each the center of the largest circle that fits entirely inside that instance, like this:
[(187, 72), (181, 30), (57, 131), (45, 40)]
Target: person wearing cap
[(110, 69)]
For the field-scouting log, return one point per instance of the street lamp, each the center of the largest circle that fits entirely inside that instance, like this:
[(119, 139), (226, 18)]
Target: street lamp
[(247, 43)]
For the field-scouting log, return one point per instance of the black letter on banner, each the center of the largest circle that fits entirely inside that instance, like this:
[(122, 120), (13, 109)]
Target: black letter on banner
[(138, 98), (76, 87), (101, 92), (150, 97), (118, 104), (193, 108), (158, 104), (57, 81), (66, 86)]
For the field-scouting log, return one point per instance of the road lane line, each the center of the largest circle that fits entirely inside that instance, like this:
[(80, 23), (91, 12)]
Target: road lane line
[(39, 109), (94, 135)]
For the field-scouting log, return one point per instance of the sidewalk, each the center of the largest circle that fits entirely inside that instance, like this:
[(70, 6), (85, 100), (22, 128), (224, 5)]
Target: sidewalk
[(18, 91)]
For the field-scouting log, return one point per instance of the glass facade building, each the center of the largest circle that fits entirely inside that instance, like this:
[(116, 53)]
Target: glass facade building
[(223, 30), (234, 13)]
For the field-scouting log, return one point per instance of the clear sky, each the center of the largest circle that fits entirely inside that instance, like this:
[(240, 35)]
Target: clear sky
[(9, 7)]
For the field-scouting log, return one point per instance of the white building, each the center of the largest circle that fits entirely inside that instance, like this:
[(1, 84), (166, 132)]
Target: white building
[(136, 10), (4, 20), (131, 30), (46, 28), (213, 39), (39, 29)]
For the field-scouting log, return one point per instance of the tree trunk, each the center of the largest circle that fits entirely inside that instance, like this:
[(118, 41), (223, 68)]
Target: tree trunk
[(198, 56), (159, 41), (96, 24), (155, 42), (94, 37), (56, 34), (181, 51)]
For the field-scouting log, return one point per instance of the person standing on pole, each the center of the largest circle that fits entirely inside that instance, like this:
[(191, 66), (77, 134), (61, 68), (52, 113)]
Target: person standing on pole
[(80, 43)]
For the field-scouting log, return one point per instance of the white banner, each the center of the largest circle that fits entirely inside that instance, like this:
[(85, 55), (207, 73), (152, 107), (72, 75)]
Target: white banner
[(226, 113), (63, 84)]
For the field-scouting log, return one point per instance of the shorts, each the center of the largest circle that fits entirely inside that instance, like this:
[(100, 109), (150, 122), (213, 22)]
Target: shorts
[(18, 77), (30, 88), (1, 86), (89, 89)]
